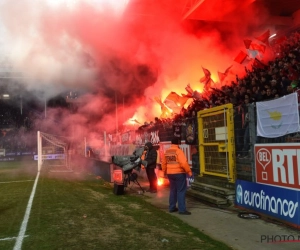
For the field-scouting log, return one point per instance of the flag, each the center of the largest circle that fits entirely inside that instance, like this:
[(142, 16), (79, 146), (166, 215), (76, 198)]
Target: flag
[(187, 95), (264, 38), (175, 101), (259, 47), (241, 57), (247, 61), (158, 100), (165, 112), (247, 43), (227, 70), (278, 117), (174, 97), (191, 93), (208, 83), (206, 76), (258, 64), (135, 121), (222, 76), (206, 79), (189, 89), (206, 72), (252, 53), (256, 50)]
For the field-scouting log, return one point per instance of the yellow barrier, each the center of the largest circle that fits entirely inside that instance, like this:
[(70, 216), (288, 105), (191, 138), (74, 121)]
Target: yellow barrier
[(216, 142)]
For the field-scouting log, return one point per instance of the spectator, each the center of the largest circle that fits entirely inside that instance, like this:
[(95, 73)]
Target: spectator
[(151, 158), (268, 95), (238, 129), (157, 121), (246, 136), (195, 161)]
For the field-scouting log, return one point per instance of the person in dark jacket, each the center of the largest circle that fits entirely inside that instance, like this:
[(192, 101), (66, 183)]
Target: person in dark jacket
[(151, 158)]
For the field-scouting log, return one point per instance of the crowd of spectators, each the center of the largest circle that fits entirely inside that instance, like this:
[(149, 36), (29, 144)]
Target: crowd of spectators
[(16, 123), (16, 140), (9, 115), (262, 82)]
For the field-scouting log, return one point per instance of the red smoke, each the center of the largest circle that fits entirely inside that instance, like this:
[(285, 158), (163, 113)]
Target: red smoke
[(125, 60)]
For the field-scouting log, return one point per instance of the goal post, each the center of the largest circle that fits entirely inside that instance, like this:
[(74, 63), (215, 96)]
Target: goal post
[(53, 152), (39, 150)]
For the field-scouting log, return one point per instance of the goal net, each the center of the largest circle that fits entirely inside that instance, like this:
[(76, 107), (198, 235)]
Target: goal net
[(53, 152)]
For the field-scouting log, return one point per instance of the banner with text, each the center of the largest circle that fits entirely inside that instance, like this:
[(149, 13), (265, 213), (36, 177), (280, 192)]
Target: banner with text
[(280, 203), (278, 164)]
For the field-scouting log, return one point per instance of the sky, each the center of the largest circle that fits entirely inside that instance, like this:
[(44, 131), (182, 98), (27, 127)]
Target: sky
[(121, 53)]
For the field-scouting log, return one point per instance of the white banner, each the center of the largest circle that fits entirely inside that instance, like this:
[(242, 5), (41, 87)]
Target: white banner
[(278, 117), (51, 157)]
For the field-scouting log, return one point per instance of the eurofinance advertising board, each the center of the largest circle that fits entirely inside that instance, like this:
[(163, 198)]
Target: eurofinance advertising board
[(281, 203)]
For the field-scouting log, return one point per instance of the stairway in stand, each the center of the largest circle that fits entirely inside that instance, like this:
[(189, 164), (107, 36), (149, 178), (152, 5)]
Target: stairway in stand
[(214, 190)]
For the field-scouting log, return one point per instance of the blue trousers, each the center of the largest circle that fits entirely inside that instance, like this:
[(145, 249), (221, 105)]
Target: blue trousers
[(178, 187)]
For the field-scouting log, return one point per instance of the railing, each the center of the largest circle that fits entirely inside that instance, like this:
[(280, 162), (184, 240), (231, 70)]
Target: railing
[(245, 140)]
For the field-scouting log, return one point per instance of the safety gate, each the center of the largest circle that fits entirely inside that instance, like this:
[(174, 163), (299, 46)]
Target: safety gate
[(216, 142)]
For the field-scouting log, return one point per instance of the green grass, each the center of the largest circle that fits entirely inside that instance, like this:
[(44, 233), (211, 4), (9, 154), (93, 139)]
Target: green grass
[(81, 212)]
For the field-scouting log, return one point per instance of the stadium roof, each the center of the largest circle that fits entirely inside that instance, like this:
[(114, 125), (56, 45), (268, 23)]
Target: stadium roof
[(283, 8), (280, 11)]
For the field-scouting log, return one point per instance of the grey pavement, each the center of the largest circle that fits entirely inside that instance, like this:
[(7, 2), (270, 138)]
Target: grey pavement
[(225, 225)]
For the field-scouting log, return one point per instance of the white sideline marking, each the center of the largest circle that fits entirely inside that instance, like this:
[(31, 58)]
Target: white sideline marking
[(19, 241), (10, 238), (13, 181)]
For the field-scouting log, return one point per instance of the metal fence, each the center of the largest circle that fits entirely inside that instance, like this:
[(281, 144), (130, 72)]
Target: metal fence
[(246, 138)]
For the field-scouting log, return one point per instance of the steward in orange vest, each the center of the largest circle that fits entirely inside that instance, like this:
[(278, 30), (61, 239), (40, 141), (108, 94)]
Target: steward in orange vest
[(175, 165)]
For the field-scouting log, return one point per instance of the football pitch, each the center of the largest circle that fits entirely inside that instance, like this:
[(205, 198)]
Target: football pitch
[(44, 210)]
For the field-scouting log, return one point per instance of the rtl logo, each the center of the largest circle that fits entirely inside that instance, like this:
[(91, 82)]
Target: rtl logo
[(278, 165)]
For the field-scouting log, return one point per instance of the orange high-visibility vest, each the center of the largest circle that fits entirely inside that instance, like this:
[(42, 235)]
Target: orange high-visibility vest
[(175, 162)]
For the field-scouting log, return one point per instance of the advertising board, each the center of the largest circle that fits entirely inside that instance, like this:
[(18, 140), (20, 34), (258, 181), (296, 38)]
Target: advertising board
[(278, 164), (277, 202)]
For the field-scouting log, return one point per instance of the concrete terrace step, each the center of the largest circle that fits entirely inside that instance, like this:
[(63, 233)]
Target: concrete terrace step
[(206, 197), (215, 181), (213, 190)]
